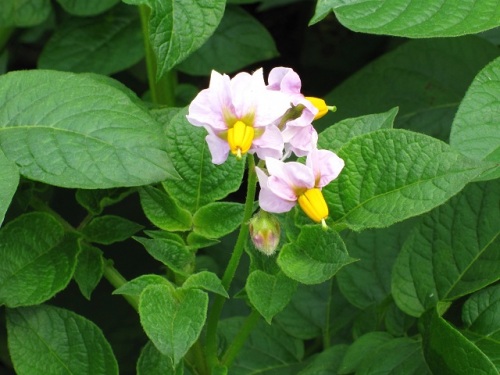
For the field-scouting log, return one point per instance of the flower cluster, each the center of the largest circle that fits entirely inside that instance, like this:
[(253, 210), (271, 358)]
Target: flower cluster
[(246, 115)]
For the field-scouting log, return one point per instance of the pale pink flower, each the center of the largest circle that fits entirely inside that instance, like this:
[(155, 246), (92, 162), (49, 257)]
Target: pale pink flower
[(287, 184), (239, 115)]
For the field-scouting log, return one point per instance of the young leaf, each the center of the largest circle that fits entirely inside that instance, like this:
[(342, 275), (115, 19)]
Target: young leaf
[(391, 175), (162, 210), (88, 7), (327, 362), (417, 18), (109, 229), (315, 257), (170, 252), (240, 40), (106, 44), (439, 265), (177, 28), (476, 130), (37, 259), (201, 181), (135, 286), (432, 75), (269, 294), (368, 281), (89, 269), (79, 130), (337, 135), (49, 340), (447, 351), (9, 179), (94, 201), (217, 219), (481, 315), (173, 319), (23, 13), (153, 362), (207, 281)]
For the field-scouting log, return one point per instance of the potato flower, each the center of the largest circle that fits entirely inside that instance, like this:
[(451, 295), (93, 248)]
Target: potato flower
[(287, 184), (239, 115)]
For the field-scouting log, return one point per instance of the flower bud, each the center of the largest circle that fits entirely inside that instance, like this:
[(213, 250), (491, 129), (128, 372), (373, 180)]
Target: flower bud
[(265, 232)]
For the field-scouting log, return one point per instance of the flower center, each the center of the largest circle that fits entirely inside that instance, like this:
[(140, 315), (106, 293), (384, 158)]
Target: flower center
[(314, 205), (240, 138)]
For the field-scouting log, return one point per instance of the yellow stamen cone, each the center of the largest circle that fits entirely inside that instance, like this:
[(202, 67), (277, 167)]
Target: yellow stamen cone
[(240, 138), (314, 205), (320, 104)]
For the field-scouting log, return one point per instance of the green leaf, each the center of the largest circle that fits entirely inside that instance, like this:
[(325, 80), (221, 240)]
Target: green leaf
[(432, 77), (162, 210), (89, 269), (481, 315), (315, 257), (49, 340), (23, 13), (37, 259), (327, 362), (268, 349), (9, 179), (152, 362), (173, 319), (197, 241), (269, 294), (439, 264), (87, 7), (337, 135), (94, 201), (217, 219), (170, 252), (391, 175), (79, 130), (106, 44), (109, 229), (201, 181), (207, 281), (447, 351), (177, 28), (476, 130), (136, 286), (417, 18), (240, 40), (368, 281)]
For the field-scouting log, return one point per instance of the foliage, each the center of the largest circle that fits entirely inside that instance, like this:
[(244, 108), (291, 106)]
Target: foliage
[(124, 249)]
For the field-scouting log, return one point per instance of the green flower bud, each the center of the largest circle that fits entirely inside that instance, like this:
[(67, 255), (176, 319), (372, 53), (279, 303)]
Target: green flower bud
[(265, 232)]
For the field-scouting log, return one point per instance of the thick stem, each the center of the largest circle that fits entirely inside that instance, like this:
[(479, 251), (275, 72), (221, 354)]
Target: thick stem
[(163, 89), (216, 310), (116, 279), (240, 338)]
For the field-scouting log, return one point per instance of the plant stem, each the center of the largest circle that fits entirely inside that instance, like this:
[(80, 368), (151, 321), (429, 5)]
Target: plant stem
[(240, 338), (163, 89), (116, 279), (326, 332), (216, 310)]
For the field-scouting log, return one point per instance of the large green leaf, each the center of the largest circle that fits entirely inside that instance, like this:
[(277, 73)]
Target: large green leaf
[(106, 44), (177, 28), (426, 79), (109, 229), (452, 252), (37, 259), (327, 362), (416, 18), (217, 219), (240, 40), (51, 341), (153, 362), (448, 352), (9, 179), (87, 7), (315, 257), (481, 315), (173, 319), (476, 129), (201, 181), (394, 174), (79, 130), (23, 13)]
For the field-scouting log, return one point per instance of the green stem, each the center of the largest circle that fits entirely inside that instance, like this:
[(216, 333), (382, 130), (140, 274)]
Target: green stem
[(326, 332), (216, 310), (116, 279), (163, 89), (240, 338)]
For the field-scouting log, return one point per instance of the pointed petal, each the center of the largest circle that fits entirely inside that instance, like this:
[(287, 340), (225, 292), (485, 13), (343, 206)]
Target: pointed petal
[(326, 166)]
